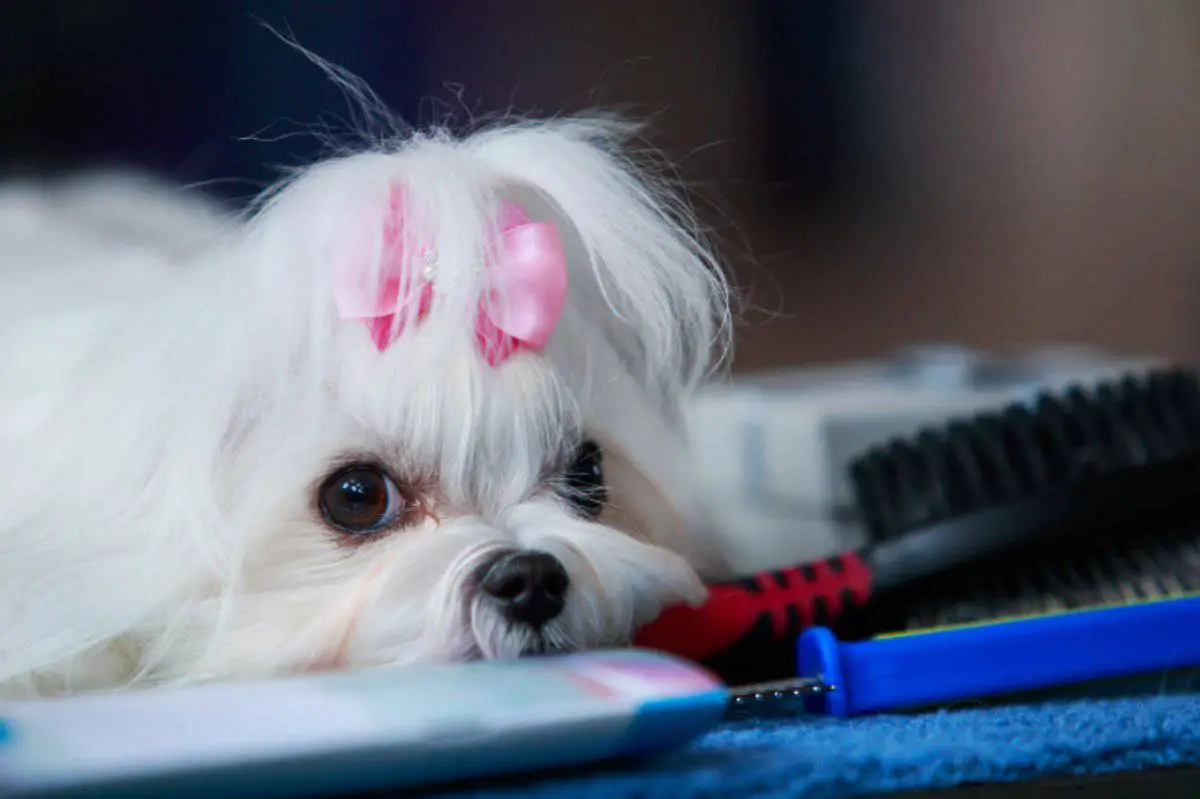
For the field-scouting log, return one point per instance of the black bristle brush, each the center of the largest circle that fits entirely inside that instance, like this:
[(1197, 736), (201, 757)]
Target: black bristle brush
[(980, 518)]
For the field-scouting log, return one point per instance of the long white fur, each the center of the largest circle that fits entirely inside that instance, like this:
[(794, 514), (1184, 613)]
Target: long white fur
[(175, 382)]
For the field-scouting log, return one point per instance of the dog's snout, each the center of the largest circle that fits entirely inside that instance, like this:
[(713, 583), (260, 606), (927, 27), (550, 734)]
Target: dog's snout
[(530, 587)]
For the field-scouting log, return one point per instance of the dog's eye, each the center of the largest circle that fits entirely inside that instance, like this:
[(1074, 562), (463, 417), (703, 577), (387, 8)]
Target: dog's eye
[(583, 482), (361, 500)]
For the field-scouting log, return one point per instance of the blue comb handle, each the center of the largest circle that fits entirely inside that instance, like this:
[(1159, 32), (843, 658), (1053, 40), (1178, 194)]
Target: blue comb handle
[(1009, 657)]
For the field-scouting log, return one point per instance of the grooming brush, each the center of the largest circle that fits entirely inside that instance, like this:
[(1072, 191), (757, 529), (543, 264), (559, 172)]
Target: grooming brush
[(1083, 466), (973, 662)]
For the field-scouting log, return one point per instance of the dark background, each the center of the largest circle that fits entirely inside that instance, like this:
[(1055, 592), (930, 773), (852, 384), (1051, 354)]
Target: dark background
[(1000, 174)]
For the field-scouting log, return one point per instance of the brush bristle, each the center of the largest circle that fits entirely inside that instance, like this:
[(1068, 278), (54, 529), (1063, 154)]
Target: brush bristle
[(1155, 564), (1027, 449)]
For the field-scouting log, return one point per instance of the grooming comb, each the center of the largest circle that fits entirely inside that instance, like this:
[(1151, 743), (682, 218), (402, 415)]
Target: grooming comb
[(982, 661), (1013, 658), (1063, 472)]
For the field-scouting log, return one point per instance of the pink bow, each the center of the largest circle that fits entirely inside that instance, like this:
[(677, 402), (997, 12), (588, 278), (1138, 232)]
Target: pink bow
[(524, 293)]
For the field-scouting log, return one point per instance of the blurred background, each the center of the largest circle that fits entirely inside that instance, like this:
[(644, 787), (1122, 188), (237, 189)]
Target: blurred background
[(882, 172)]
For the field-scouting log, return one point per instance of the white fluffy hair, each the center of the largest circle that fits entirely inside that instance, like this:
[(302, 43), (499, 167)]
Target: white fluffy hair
[(175, 382)]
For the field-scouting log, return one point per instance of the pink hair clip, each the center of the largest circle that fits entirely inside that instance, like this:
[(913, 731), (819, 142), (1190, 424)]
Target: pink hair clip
[(523, 298)]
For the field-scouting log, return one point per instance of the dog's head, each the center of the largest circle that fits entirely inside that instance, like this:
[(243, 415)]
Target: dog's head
[(407, 478)]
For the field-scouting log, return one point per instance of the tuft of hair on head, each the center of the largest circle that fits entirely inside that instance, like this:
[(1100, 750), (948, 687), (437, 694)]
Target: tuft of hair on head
[(646, 292), (651, 264)]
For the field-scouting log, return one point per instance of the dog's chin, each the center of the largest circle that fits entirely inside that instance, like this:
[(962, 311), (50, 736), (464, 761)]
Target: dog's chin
[(488, 636), (537, 647), (540, 647)]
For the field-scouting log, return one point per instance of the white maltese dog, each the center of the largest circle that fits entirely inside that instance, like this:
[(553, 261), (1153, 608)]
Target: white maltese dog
[(422, 404)]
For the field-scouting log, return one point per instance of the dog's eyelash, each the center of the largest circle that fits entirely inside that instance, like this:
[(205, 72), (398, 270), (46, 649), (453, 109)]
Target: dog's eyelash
[(581, 481)]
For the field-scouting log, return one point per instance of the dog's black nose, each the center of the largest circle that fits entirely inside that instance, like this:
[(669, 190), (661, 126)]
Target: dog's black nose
[(530, 587)]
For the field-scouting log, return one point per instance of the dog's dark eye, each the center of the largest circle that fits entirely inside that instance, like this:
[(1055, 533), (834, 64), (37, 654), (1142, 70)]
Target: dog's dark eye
[(583, 483), (361, 500)]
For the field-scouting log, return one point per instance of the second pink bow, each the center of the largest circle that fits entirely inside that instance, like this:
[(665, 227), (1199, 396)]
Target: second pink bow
[(525, 283)]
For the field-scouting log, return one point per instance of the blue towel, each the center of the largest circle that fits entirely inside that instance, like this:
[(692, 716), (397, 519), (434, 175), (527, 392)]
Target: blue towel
[(825, 759)]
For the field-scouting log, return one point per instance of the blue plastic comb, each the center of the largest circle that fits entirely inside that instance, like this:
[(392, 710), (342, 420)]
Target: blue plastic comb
[(923, 669)]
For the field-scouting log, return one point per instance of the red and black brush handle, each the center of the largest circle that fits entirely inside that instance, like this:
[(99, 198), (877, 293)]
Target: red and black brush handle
[(747, 629)]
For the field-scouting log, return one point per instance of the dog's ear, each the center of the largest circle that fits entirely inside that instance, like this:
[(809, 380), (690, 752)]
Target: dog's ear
[(639, 268)]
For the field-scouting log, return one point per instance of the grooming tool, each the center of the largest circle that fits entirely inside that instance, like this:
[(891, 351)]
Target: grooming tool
[(972, 662), (1057, 471), (1150, 562), (778, 445), (356, 731)]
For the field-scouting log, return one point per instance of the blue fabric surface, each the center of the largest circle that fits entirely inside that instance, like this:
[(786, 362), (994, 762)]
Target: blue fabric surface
[(824, 759)]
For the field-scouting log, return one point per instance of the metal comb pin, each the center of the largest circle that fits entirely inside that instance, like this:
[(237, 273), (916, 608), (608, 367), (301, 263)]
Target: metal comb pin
[(751, 700)]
